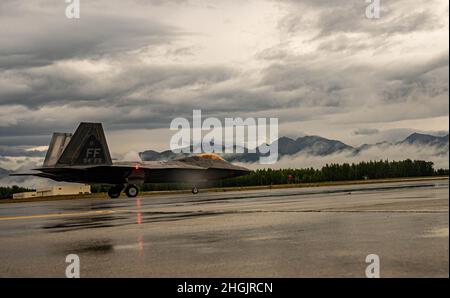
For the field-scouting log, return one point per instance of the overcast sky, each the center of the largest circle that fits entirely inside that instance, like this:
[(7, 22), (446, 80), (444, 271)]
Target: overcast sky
[(321, 66)]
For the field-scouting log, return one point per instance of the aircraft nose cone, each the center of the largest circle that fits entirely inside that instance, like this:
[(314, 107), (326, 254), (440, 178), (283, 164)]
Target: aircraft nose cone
[(243, 171)]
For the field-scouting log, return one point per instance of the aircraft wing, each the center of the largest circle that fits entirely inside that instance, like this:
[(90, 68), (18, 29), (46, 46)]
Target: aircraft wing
[(123, 172)]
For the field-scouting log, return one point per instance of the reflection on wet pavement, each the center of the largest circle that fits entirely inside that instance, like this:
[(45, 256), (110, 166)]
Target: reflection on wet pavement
[(285, 233)]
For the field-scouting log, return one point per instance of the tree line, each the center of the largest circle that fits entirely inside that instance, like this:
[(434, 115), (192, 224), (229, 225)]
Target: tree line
[(338, 172), (6, 192)]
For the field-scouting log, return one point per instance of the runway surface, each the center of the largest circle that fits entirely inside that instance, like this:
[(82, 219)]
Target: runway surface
[(302, 232)]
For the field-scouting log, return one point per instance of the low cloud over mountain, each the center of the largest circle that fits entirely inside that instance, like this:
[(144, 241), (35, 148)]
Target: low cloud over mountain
[(317, 151)]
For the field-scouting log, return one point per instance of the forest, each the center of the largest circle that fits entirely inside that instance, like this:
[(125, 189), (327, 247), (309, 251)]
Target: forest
[(328, 173)]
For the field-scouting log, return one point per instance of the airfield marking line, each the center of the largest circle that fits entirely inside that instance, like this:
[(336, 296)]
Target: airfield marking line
[(99, 212)]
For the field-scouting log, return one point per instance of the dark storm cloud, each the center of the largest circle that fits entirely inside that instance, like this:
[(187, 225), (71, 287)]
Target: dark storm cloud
[(303, 83), (37, 36), (316, 84), (150, 97), (133, 83), (20, 137), (55, 72), (418, 81)]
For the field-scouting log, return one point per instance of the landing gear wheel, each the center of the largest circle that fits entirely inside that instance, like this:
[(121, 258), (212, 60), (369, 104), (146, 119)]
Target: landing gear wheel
[(131, 191), (114, 192), (194, 190)]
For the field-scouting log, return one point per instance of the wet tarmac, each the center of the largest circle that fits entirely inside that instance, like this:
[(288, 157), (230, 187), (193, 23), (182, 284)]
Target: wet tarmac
[(302, 232)]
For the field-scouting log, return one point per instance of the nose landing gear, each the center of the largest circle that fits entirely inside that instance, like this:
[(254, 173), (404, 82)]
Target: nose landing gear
[(195, 190)]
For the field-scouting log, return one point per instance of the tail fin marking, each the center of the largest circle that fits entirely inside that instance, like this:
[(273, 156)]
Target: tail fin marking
[(87, 146)]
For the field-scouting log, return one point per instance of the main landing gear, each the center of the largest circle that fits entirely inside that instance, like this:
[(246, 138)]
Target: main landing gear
[(131, 191), (114, 192)]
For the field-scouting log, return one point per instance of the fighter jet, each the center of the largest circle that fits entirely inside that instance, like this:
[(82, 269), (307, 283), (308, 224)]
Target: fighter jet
[(84, 157)]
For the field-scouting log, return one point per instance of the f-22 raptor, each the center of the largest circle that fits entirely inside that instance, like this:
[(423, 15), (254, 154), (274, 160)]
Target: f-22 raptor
[(84, 157)]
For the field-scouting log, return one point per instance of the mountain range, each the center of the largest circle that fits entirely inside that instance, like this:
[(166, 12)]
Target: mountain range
[(313, 145)]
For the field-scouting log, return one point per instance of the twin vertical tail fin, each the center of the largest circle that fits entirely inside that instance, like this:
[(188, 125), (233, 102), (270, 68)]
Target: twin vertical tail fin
[(87, 146), (56, 148)]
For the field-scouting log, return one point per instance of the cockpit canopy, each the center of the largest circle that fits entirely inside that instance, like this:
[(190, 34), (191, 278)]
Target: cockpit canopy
[(210, 156)]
